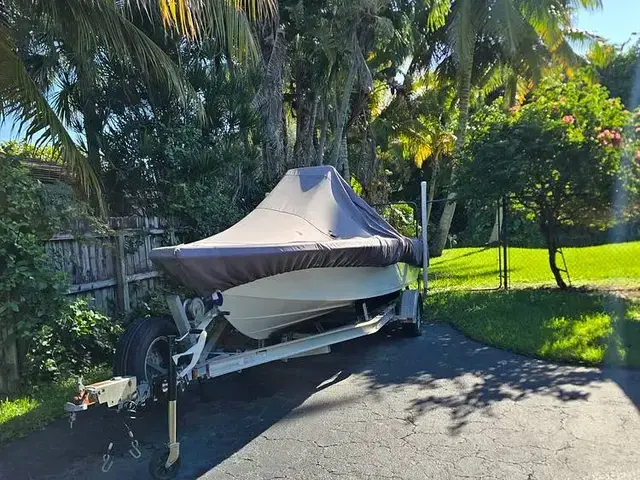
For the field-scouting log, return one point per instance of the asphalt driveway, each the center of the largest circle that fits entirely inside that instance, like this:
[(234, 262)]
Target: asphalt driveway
[(435, 407)]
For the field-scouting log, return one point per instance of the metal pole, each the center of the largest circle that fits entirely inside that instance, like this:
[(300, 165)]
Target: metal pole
[(505, 243), (425, 246), (174, 446)]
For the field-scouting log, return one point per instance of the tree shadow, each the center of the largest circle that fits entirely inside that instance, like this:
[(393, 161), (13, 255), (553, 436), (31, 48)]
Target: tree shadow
[(483, 376), (476, 251), (447, 372)]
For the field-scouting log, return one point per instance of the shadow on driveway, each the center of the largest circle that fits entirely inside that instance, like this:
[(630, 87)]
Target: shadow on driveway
[(243, 406)]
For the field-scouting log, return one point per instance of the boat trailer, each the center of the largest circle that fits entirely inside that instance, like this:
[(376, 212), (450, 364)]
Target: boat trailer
[(193, 356), (168, 354)]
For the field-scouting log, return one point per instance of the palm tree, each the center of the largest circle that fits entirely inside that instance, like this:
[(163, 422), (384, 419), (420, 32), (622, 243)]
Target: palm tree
[(428, 137), (507, 24), (86, 32)]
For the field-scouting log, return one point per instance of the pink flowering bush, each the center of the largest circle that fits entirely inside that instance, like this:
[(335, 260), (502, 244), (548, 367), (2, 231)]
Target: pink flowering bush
[(562, 156)]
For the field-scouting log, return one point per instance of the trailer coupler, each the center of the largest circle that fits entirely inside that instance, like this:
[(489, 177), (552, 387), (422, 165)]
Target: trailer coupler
[(118, 391)]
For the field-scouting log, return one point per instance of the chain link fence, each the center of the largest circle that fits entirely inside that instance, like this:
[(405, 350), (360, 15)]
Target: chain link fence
[(502, 246), (571, 255), (473, 255)]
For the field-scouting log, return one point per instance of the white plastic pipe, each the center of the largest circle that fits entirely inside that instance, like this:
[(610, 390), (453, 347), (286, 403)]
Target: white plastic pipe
[(425, 246)]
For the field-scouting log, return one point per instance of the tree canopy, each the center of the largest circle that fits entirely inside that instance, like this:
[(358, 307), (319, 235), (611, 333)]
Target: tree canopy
[(562, 156), (169, 107)]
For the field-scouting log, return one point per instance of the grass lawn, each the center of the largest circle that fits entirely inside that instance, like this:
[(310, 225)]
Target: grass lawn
[(574, 326), (43, 404), (613, 265)]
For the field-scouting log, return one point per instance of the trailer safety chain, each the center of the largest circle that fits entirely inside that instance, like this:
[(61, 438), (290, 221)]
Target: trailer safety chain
[(134, 449), (107, 463)]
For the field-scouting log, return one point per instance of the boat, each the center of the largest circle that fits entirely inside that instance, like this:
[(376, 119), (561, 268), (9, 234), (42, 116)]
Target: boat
[(310, 247), (264, 307)]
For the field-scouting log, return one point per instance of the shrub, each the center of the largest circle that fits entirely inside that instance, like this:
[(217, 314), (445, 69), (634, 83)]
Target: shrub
[(72, 342), (401, 217), (31, 292), (564, 158), (33, 309)]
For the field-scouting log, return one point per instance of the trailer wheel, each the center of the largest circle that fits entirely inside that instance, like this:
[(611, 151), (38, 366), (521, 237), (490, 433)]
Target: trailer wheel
[(143, 350), (157, 467), (414, 329)]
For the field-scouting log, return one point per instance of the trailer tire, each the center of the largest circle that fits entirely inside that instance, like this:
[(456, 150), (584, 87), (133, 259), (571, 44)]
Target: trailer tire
[(144, 337), (414, 329)]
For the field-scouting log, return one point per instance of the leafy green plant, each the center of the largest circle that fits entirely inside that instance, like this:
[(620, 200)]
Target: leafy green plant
[(564, 157), (33, 309), (401, 217), (72, 342), (31, 292), (47, 153)]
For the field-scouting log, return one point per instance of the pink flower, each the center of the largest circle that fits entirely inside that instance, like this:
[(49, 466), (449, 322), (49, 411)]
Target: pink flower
[(568, 119)]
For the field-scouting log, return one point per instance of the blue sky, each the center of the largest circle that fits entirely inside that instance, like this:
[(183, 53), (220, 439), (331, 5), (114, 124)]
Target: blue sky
[(617, 20)]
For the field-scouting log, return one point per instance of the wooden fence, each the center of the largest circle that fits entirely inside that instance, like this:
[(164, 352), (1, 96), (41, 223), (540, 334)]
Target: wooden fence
[(113, 268)]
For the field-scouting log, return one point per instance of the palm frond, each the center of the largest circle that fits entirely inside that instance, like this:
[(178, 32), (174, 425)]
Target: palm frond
[(192, 18), (89, 26), (21, 99), (231, 28), (507, 23), (437, 13), (423, 151), (462, 30)]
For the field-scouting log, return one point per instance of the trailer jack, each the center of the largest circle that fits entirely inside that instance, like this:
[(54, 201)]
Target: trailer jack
[(164, 464)]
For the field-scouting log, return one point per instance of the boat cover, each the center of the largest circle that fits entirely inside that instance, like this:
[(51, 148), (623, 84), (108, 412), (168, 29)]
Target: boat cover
[(311, 219)]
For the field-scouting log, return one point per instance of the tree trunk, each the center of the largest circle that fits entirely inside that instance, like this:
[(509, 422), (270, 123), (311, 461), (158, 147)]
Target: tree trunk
[(547, 225), (343, 161), (450, 207), (92, 132), (269, 105), (432, 188), (305, 108), (323, 133), (554, 267), (369, 166), (341, 116)]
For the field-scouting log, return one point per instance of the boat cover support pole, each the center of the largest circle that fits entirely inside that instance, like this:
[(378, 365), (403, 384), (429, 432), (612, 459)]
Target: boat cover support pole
[(425, 246)]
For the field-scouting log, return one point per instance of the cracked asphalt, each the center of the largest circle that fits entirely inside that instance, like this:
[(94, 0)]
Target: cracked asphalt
[(435, 407)]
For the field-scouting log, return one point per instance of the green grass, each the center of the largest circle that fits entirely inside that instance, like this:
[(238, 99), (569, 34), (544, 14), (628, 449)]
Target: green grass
[(613, 265), (583, 327), (40, 406)]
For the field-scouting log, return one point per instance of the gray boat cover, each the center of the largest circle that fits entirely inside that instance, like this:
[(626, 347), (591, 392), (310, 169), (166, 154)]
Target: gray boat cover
[(311, 219)]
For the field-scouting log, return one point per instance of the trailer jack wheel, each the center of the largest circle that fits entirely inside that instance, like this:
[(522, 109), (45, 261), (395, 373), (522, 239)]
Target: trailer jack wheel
[(158, 468)]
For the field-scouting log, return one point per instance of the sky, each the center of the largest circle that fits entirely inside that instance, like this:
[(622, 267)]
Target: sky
[(617, 20)]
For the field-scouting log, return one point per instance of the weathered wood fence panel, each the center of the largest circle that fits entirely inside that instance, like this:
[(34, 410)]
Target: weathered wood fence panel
[(113, 269)]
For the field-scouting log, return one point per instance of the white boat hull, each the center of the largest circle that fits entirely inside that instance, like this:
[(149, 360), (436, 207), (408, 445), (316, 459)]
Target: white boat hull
[(260, 308)]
